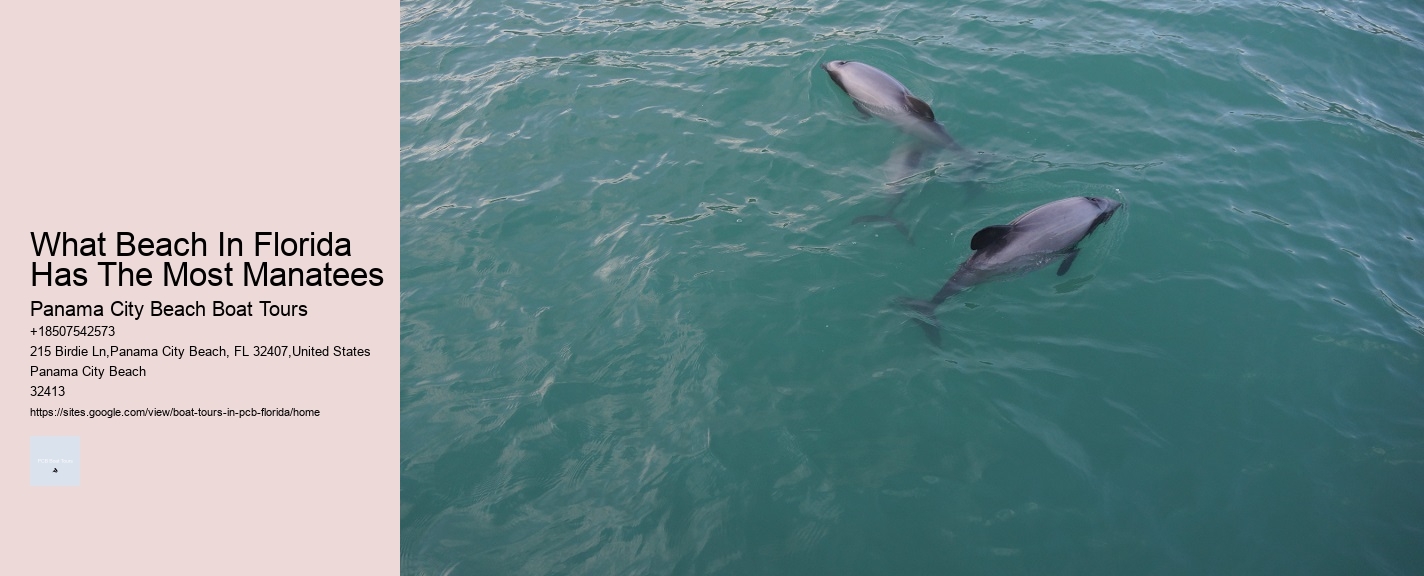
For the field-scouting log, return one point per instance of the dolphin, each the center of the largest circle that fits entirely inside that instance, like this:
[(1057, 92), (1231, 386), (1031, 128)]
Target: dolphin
[(875, 93), (1030, 242), (878, 94)]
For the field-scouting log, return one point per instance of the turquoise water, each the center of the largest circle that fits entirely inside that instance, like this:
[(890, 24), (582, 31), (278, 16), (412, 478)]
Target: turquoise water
[(640, 334)]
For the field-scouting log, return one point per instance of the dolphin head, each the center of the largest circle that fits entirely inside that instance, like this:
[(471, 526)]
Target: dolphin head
[(1106, 208), (833, 68), (1106, 205)]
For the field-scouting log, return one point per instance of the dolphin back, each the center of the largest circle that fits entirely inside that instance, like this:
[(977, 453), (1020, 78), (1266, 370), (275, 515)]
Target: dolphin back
[(879, 94), (1055, 227)]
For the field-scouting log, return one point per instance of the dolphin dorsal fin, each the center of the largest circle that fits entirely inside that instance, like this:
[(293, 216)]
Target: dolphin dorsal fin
[(919, 108), (989, 236)]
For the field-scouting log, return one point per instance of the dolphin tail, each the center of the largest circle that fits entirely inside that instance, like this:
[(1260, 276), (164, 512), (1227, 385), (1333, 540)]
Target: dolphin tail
[(924, 316), (886, 218)]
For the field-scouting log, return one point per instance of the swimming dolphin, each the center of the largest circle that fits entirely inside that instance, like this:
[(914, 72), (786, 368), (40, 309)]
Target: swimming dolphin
[(878, 94), (875, 93), (1030, 242)]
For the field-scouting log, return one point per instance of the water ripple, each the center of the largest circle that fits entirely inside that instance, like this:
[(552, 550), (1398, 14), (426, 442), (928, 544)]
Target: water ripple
[(640, 332)]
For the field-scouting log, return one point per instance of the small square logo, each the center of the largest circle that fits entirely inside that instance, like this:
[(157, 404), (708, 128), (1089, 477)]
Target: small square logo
[(54, 460)]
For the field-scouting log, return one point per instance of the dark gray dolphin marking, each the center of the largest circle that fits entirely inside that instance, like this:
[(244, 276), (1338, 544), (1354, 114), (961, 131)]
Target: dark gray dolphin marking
[(1030, 242)]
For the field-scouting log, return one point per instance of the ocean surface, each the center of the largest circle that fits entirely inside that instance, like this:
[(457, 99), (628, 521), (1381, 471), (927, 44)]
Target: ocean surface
[(642, 335)]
